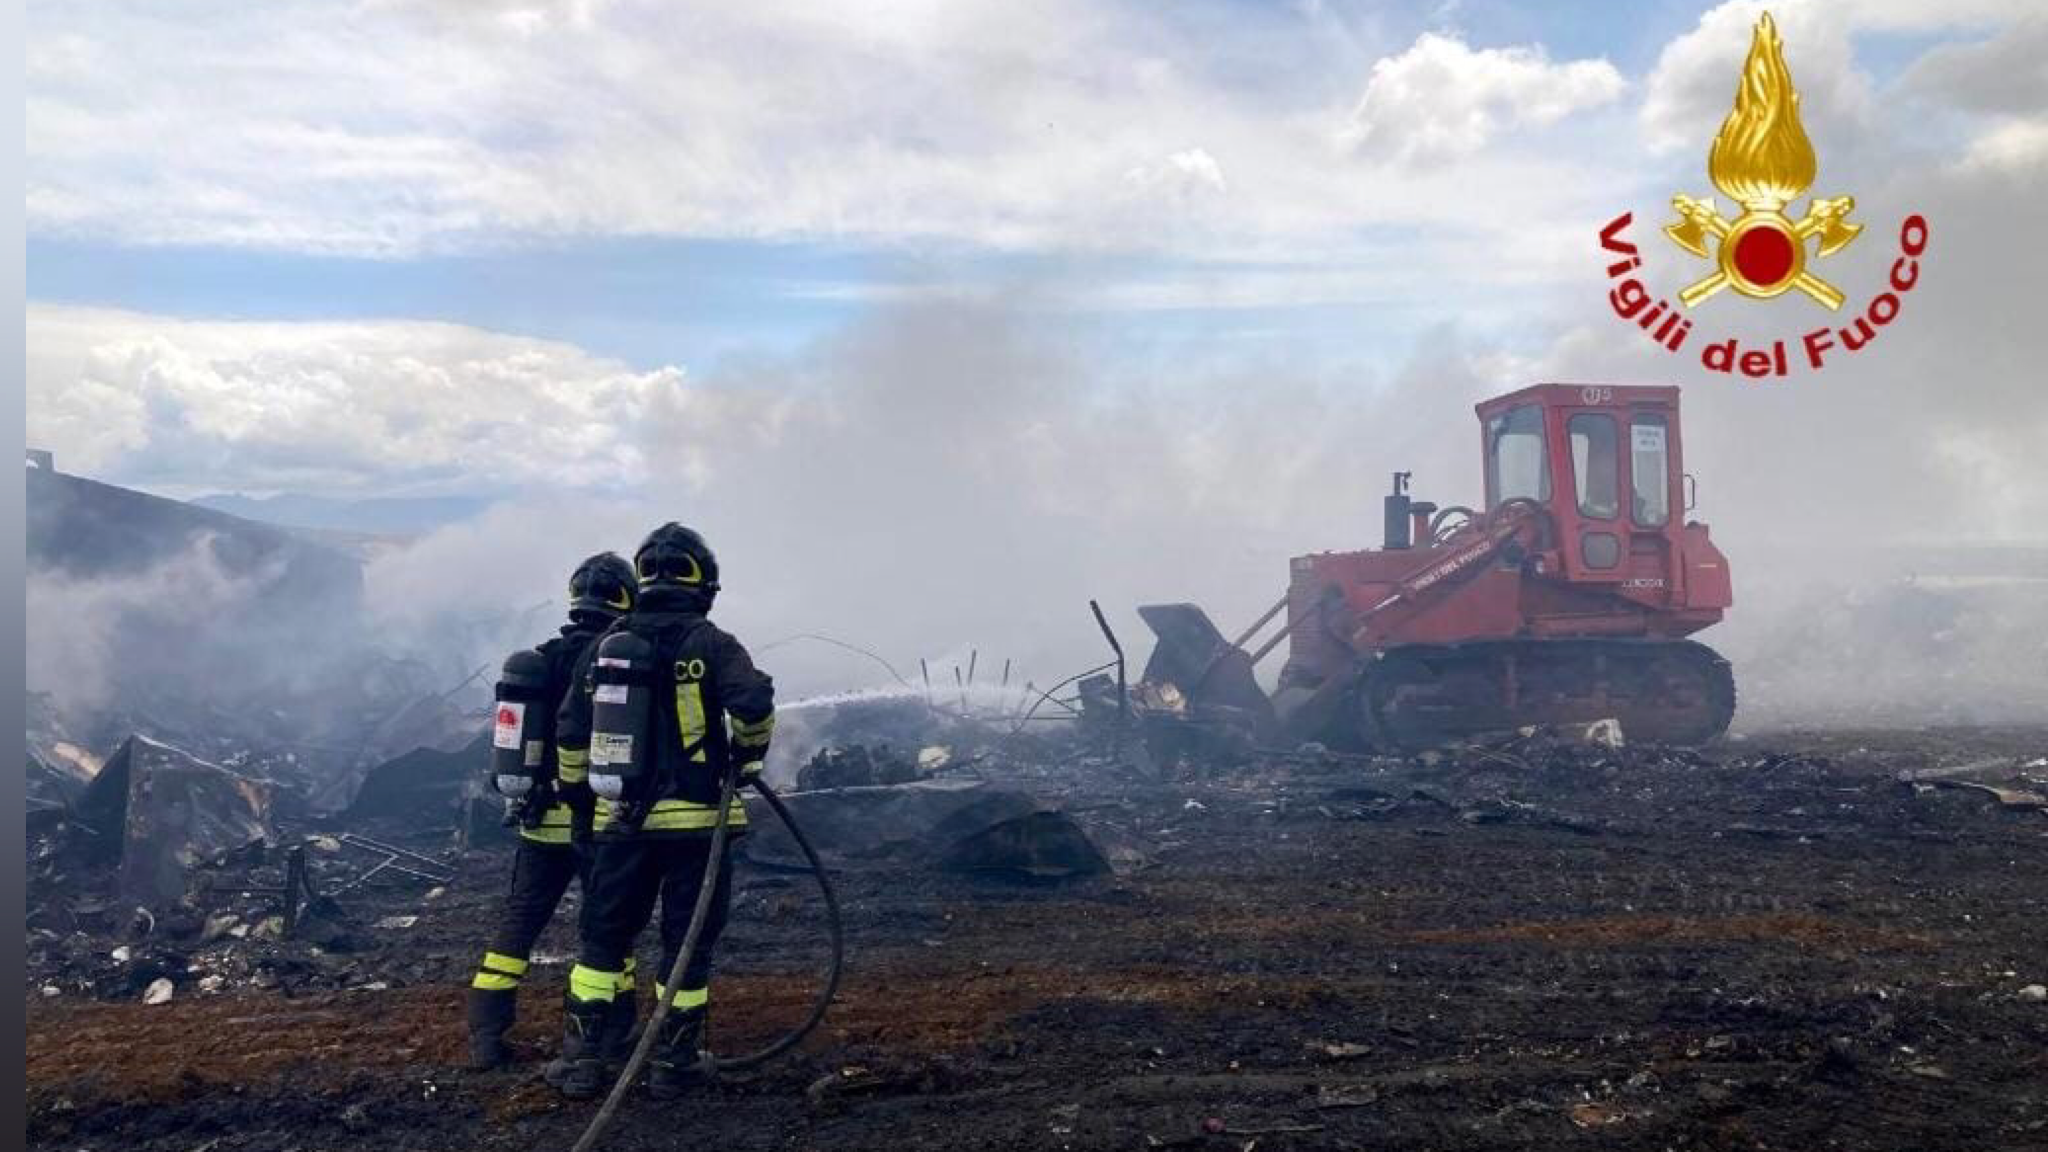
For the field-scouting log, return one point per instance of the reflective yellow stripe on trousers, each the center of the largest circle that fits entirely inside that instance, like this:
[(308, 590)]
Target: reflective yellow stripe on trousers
[(498, 973), (587, 984)]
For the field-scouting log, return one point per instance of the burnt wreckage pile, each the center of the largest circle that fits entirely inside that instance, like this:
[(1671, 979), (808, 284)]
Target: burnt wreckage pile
[(1128, 926), (203, 717), (168, 860), (164, 873), (277, 827), (1511, 942), (161, 850), (170, 872)]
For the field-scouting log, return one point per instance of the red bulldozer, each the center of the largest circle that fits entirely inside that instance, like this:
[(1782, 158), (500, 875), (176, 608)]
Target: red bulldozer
[(1564, 601)]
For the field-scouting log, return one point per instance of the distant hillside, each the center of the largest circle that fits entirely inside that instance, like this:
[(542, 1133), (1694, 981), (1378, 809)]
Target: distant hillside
[(243, 643), (84, 528), (139, 603), (388, 516)]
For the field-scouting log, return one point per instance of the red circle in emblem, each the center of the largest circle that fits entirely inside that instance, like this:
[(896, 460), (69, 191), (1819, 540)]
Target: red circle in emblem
[(507, 717), (1764, 255)]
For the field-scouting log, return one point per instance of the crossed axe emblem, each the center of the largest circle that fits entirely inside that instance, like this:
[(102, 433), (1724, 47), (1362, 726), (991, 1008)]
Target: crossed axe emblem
[(1700, 221)]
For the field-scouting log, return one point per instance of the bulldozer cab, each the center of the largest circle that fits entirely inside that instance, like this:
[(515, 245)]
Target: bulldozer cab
[(1564, 599), (1603, 462)]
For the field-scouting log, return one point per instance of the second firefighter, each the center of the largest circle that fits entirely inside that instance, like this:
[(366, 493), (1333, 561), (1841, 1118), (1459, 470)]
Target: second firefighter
[(544, 777)]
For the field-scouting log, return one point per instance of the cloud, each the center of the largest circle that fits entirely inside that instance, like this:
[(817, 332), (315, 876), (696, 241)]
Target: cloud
[(2014, 146), (389, 406), (1688, 92), (2003, 73), (400, 405), (1442, 100), (1183, 174), (392, 128)]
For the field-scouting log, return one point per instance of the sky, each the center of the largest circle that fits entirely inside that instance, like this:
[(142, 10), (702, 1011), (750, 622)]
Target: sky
[(932, 306)]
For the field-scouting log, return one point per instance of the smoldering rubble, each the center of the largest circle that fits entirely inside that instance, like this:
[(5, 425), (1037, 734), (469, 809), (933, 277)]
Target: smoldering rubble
[(1069, 926), (1071, 906)]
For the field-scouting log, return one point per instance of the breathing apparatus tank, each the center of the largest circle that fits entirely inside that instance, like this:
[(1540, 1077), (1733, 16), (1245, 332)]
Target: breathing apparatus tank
[(519, 738), (622, 713)]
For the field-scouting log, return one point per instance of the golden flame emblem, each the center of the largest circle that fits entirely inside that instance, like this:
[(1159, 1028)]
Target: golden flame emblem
[(1762, 160)]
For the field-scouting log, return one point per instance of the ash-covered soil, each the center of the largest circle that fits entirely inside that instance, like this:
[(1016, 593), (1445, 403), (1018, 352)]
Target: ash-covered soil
[(1776, 943)]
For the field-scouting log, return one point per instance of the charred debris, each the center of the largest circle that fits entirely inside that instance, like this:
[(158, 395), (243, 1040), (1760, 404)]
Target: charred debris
[(282, 833), (211, 816), (168, 874)]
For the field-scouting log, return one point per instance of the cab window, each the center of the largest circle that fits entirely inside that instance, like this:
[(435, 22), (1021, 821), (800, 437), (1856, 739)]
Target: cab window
[(1595, 469), (1515, 466), (1650, 471)]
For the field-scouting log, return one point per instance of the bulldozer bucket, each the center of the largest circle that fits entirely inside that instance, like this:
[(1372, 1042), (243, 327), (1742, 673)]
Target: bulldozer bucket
[(1207, 672)]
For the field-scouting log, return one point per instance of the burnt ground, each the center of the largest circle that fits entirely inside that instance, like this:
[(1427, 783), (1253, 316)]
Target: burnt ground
[(1773, 944)]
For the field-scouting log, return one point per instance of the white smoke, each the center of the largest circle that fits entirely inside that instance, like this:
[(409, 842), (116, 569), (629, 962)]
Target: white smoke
[(81, 631)]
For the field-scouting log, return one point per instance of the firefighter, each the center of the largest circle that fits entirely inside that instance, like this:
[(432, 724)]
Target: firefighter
[(554, 809), (708, 711)]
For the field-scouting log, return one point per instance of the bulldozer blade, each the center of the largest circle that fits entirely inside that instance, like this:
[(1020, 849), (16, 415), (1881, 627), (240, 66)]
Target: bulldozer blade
[(1207, 671)]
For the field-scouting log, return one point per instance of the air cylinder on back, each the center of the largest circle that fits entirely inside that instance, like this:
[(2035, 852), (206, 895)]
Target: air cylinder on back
[(622, 711), (520, 735)]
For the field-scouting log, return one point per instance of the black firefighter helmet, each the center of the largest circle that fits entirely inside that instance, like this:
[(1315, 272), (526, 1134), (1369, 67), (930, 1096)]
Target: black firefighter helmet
[(602, 584), (673, 556)]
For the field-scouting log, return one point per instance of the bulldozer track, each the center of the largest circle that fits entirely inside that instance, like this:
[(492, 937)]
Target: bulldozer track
[(1662, 691)]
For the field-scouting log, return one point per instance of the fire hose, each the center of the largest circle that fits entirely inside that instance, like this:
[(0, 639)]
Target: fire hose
[(651, 1032)]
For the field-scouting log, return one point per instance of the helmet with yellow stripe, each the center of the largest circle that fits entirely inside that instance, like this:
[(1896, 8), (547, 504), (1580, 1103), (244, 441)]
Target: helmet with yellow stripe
[(602, 584), (676, 557)]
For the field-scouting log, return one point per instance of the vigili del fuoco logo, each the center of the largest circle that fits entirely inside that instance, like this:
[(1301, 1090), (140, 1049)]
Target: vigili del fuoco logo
[(1762, 160)]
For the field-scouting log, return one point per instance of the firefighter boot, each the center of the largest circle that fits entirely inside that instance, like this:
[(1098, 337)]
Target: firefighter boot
[(578, 1073), (491, 1012), (620, 1031), (679, 1061)]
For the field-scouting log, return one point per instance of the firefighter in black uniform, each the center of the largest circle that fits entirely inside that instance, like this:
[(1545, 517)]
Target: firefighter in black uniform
[(712, 712), (555, 808)]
